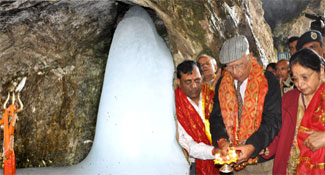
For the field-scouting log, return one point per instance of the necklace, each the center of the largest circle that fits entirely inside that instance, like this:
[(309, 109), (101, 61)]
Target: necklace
[(303, 101)]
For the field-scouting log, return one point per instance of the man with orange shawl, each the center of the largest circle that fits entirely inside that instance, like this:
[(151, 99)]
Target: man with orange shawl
[(193, 106), (247, 106)]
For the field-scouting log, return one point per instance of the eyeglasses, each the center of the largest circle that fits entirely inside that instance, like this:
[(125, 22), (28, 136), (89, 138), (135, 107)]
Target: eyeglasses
[(237, 66)]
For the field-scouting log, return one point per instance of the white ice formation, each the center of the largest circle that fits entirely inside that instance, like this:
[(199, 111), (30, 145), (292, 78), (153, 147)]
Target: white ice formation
[(135, 131)]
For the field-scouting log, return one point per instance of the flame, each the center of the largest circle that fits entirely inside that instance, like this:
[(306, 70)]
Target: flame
[(230, 158)]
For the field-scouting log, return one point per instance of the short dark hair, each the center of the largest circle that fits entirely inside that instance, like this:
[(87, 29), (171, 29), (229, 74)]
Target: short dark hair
[(307, 58), (292, 39), (272, 65), (186, 67)]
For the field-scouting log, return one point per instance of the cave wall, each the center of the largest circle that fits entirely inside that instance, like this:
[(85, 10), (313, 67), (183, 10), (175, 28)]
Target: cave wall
[(287, 18), (196, 27), (61, 47)]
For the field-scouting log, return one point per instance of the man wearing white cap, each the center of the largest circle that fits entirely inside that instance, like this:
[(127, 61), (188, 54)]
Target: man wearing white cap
[(211, 72), (247, 107)]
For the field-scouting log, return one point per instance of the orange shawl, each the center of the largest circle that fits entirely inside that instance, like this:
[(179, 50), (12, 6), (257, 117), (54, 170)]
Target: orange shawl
[(191, 121), (8, 140), (251, 118), (314, 119)]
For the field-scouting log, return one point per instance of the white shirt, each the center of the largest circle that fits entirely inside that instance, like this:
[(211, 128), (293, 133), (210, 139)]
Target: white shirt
[(194, 149), (242, 88)]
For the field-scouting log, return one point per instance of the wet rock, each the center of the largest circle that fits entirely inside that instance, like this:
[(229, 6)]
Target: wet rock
[(196, 27), (62, 47), (290, 18)]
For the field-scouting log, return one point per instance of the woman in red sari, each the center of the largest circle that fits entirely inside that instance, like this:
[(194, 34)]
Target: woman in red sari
[(299, 147)]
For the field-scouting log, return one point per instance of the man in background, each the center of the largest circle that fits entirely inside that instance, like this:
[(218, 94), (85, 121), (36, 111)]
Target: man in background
[(271, 67), (292, 42), (313, 40), (211, 72), (319, 25), (283, 75)]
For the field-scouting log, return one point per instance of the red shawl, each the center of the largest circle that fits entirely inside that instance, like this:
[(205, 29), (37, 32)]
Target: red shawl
[(191, 121), (314, 119)]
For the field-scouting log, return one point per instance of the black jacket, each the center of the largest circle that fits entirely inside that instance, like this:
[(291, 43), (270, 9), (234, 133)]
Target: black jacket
[(271, 117)]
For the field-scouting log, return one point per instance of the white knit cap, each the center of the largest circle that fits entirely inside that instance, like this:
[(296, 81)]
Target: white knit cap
[(233, 49)]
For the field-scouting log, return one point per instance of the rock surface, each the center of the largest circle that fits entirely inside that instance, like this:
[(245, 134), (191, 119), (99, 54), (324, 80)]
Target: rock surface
[(290, 18), (196, 27), (62, 47)]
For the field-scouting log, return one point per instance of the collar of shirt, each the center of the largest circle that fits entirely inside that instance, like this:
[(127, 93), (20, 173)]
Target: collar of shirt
[(242, 88), (288, 82), (199, 109)]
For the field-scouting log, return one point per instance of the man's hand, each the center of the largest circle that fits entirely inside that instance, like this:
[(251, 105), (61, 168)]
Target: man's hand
[(265, 152), (215, 151), (315, 140), (223, 146), (246, 152)]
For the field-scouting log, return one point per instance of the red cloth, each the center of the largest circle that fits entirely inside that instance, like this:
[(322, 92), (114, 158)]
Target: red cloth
[(8, 140), (286, 134), (10, 165), (312, 162), (191, 121)]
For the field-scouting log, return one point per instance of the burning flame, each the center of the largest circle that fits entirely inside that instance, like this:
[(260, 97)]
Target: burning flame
[(230, 158)]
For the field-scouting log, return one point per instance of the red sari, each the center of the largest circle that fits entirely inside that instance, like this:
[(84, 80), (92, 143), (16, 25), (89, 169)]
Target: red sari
[(314, 119), (191, 121)]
